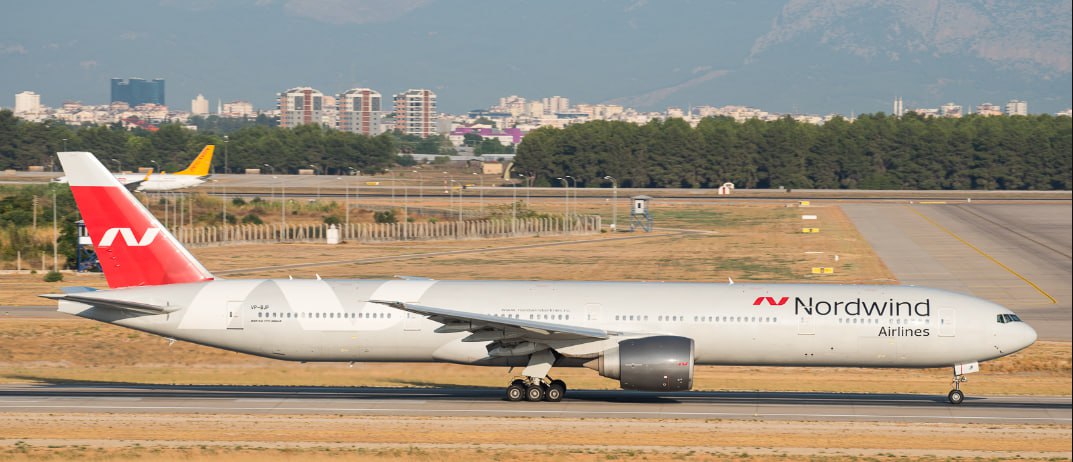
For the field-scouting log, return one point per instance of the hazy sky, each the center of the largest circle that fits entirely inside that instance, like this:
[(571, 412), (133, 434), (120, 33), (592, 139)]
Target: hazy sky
[(800, 55)]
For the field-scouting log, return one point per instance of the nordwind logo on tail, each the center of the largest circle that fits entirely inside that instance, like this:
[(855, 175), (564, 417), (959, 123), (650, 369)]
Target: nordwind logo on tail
[(128, 237)]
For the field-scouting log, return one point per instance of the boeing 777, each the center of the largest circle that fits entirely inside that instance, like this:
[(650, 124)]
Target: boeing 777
[(646, 335), (193, 175)]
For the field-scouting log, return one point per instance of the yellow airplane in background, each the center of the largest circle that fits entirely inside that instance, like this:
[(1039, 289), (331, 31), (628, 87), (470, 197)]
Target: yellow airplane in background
[(192, 175)]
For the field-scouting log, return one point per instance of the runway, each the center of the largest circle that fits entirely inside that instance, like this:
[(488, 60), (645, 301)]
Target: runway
[(488, 402), (1017, 255)]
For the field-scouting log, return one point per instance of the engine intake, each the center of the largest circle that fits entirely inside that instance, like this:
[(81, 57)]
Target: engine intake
[(658, 363)]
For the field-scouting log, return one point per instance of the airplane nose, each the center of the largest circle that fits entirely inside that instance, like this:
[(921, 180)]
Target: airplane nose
[(1028, 336)]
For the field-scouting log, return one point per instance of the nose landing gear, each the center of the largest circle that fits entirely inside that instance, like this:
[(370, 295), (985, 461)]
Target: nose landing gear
[(960, 370), (956, 396)]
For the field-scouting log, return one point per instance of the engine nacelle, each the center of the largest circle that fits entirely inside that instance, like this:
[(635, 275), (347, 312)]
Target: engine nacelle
[(658, 363)]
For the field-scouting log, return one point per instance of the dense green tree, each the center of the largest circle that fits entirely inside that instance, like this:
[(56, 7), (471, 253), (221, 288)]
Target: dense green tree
[(875, 151)]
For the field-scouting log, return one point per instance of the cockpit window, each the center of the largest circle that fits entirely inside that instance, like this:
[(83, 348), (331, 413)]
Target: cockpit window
[(1005, 318)]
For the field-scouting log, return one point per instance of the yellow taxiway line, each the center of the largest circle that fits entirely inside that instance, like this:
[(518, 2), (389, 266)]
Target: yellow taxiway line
[(985, 254)]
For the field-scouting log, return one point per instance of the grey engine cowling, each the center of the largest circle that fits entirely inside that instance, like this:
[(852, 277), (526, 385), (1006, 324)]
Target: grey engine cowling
[(658, 363)]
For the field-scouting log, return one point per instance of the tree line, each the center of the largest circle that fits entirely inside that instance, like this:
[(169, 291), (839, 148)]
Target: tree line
[(875, 151), (172, 147)]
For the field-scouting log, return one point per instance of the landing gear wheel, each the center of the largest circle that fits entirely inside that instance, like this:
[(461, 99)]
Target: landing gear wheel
[(955, 396), (534, 393), (555, 392), (560, 383), (515, 392)]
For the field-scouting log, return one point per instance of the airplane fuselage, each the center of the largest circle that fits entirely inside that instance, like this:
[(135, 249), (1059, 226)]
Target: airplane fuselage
[(731, 324)]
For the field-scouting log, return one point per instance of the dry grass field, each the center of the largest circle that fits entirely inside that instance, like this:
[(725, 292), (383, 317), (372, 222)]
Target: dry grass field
[(750, 242)]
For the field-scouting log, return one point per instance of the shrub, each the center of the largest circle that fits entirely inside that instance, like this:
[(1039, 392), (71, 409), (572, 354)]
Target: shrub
[(252, 219), (387, 216), (53, 276), (240, 201)]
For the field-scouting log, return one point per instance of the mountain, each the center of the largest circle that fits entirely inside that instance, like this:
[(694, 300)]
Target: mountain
[(801, 55)]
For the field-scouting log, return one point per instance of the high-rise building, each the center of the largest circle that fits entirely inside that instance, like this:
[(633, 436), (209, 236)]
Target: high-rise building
[(199, 106), (136, 92), (27, 102), (988, 109), (950, 110), (299, 106), (415, 112), (1017, 107), (556, 105), (360, 111), (236, 109), (899, 107)]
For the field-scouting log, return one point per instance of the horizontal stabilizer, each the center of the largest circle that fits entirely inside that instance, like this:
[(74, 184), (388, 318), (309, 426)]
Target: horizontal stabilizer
[(111, 303)]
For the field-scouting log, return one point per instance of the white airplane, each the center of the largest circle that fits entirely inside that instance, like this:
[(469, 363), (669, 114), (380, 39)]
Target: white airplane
[(649, 336), (193, 175)]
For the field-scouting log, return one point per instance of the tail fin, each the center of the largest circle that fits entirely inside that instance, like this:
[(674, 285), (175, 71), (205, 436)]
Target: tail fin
[(132, 246), (201, 163)]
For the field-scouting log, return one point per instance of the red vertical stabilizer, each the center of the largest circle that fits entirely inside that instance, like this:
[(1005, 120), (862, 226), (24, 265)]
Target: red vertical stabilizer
[(134, 249)]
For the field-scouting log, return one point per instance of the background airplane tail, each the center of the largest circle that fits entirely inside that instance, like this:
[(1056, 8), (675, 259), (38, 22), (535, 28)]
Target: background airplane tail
[(132, 246), (200, 165)]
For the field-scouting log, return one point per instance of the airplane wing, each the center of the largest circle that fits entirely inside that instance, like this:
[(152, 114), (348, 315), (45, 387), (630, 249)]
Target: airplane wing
[(481, 325), (134, 185), (111, 303)]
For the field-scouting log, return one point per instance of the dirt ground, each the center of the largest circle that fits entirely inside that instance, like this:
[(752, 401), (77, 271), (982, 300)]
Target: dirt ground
[(239, 438)]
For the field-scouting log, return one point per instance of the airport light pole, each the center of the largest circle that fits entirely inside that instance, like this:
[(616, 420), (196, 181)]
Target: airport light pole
[(420, 186), (459, 199), (568, 190), (315, 168), (566, 194), (529, 179), (283, 206), (614, 203), (226, 139), (272, 188), (482, 191), (513, 206), (55, 236)]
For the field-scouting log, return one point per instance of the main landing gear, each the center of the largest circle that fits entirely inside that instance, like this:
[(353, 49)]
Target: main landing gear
[(535, 385), (529, 389)]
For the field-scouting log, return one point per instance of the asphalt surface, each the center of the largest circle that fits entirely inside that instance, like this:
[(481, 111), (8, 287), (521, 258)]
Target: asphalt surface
[(1017, 255), (138, 399)]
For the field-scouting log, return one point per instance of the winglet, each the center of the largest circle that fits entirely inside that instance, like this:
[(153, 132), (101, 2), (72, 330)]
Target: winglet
[(201, 163)]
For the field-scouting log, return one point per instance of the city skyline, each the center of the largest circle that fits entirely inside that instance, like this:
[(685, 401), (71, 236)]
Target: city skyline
[(788, 57)]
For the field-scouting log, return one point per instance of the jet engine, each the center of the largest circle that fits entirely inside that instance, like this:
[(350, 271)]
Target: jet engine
[(658, 363)]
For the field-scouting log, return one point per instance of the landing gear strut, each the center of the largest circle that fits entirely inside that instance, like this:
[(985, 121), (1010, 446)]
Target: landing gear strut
[(956, 396)]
